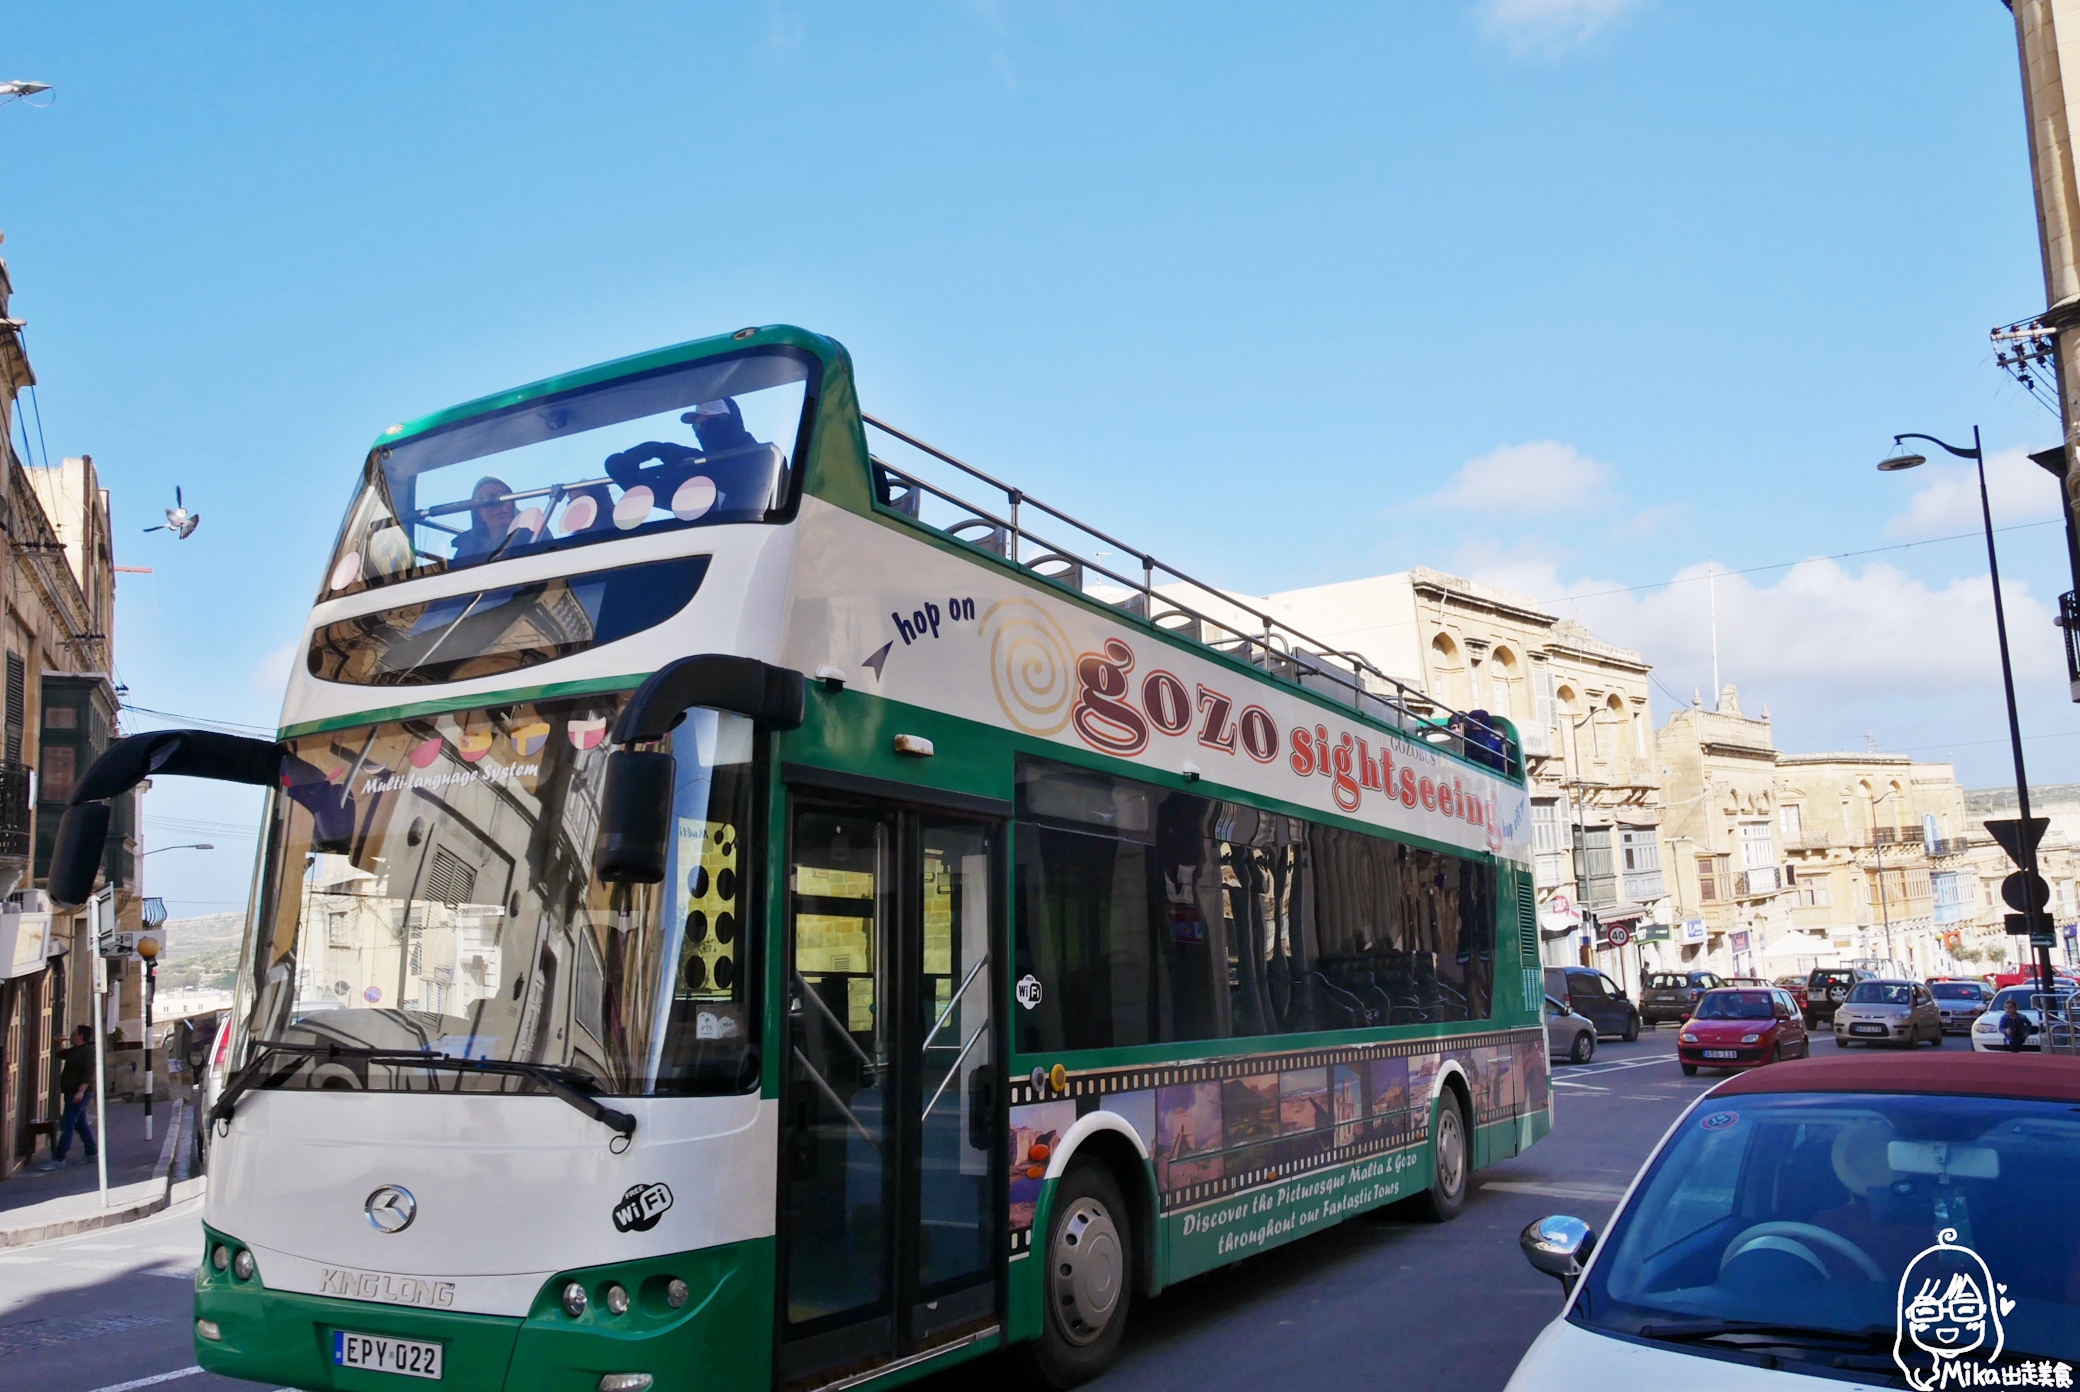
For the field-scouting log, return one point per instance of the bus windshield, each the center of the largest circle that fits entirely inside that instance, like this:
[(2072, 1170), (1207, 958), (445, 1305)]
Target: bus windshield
[(429, 890), (702, 443)]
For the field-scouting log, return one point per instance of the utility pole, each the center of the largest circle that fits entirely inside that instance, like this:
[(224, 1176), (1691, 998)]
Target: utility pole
[(1711, 582)]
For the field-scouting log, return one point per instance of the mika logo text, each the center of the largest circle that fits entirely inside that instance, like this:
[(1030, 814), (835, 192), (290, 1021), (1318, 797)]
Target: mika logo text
[(1950, 1331)]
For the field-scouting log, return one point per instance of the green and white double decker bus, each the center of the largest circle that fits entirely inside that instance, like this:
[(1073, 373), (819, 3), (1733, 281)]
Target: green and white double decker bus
[(738, 911)]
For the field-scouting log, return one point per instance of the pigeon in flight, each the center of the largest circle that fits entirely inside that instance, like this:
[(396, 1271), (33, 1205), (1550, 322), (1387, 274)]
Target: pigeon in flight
[(181, 522)]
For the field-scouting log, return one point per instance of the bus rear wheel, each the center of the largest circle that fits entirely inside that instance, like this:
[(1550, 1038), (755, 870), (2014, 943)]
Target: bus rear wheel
[(1449, 1162), (1089, 1280)]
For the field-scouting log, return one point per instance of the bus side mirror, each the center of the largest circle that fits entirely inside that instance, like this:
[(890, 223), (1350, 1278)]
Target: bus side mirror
[(76, 854), (635, 817)]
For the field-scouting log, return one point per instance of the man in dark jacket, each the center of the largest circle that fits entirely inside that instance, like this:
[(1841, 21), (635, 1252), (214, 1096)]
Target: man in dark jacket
[(76, 1081)]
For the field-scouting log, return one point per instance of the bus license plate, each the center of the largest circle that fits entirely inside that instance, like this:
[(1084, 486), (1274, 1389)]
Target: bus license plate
[(382, 1354), (1722, 1053)]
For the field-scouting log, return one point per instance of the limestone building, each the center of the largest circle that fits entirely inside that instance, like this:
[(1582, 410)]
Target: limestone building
[(58, 711), (1784, 862)]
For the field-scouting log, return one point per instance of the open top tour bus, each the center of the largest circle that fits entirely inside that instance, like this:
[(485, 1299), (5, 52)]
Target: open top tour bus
[(733, 915)]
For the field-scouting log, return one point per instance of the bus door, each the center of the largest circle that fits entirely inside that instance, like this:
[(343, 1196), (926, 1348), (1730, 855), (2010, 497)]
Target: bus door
[(891, 1162)]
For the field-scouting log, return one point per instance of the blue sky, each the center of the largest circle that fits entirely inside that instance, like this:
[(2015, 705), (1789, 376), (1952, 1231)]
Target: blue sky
[(1572, 295)]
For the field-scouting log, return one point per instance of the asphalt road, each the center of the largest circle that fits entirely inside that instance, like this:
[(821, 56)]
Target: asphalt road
[(1370, 1301), (105, 1308)]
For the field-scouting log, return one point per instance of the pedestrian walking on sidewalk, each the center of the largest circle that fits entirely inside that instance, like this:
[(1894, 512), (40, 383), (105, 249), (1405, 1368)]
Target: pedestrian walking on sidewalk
[(76, 1081)]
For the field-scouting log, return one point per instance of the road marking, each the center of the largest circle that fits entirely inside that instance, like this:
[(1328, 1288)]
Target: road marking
[(1590, 1069), (1607, 1192), (150, 1381), (1582, 1087)]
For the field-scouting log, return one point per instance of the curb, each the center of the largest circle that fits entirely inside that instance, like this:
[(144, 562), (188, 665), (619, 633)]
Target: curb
[(167, 1193)]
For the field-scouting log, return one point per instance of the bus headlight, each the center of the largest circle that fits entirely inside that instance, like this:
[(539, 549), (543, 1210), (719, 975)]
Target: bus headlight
[(207, 1329), (220, 1257), (676, 1293), (574, 1300), (243, 1266), (617, 1299)]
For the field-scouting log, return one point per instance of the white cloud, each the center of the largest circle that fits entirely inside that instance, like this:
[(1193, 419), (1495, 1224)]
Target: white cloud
[(270, 675), (1543, 473), (1947, 502), (1549, 26), (1826, 645)]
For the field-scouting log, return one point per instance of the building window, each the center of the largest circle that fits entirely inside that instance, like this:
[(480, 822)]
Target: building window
[(1549, 844), (61, 718), (60, 769), (1952, 896), (1548, 701), (1794, 829), (1758, 852), (1640, 850), (17, 705), (1714, 877), (1811, 890), (337, 934)]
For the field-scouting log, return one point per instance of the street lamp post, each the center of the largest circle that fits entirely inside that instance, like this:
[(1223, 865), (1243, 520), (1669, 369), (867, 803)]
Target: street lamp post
[(1977, 454), (149, 951)]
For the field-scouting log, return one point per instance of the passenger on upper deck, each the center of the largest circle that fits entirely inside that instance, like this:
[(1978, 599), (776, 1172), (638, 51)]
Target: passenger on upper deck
[(492, 516), (718, 425)]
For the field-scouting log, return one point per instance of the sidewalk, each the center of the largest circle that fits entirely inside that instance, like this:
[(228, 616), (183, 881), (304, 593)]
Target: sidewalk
[(143, 1177)]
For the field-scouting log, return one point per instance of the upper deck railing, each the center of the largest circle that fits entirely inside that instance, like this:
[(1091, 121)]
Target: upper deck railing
[(1167, 599)]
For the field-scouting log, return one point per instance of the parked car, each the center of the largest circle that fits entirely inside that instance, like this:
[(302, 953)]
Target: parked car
[(1796, 985), (1742, 1027), (1769, 1238), (1986, 1030), (1569, 1037), (1671, 995), (1828, 987), (1960, 1002), (1587, 991), (2063, 984), (1899, 1013)]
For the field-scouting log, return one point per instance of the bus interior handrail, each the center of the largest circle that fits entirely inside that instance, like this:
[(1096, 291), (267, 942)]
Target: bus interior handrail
[(1271, 645), (947, 1013)]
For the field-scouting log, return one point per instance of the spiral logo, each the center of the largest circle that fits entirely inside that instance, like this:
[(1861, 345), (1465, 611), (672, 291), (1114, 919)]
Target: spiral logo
[(1029, 665)]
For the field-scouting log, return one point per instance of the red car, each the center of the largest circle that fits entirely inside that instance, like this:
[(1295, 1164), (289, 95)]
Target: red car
[(1742, 1027), (1796, 985)]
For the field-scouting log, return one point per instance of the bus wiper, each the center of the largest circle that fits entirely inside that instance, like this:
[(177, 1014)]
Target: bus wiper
[(1762, 1333), (566, 1083)]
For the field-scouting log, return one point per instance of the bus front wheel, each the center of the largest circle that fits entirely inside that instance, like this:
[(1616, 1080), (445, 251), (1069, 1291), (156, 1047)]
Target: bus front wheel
[(1450, 1161), (1089, 1280)]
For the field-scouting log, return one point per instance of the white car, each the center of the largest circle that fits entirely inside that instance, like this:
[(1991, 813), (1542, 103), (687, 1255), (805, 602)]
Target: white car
[(1833, 1223), (1986, 1030)]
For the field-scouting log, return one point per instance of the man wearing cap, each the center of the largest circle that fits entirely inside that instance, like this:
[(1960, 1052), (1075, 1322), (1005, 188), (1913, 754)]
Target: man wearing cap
[(718, 425)]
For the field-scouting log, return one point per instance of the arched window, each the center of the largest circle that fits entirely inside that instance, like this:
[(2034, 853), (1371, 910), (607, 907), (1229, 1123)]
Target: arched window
[(1448, 671), (1505, 684)]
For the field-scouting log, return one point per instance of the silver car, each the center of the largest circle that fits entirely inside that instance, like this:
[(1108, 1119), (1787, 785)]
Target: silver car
[(1961, 1002), (1569, 1037), (1888, 1011)]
